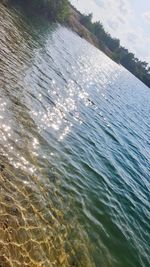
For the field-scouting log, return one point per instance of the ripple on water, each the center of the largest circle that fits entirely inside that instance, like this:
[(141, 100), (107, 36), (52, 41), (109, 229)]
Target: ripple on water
[(33, 231)]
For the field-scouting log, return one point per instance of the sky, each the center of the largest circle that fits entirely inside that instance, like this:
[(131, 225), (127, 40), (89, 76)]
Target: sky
[(128, 20)]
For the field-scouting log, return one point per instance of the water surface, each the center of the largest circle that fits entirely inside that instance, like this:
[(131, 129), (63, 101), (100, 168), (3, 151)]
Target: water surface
[(74, 151)]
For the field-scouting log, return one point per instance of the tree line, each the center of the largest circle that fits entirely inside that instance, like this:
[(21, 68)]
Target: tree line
[(55, 10), (118, 53)]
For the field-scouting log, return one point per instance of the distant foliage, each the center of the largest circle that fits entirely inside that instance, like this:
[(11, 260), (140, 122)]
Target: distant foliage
[(56, 10), (120, 54)]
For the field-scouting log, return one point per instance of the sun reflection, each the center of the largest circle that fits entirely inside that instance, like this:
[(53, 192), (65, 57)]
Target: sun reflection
[(60, 92), (8, 141), (56, 117)]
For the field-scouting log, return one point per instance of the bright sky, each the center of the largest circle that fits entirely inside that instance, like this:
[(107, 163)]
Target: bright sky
[(128, 20)]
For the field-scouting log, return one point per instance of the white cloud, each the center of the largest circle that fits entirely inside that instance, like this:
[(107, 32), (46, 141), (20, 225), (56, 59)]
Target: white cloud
[(146, 16), (137, 42)]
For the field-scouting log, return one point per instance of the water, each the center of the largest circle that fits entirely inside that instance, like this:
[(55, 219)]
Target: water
[(74, 152)]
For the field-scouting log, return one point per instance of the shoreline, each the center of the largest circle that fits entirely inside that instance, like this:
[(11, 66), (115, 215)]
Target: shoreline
[(73, 22)]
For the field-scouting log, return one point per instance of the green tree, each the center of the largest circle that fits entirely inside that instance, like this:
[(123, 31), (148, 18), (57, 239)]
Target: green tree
[(56, 10), (86, 20)]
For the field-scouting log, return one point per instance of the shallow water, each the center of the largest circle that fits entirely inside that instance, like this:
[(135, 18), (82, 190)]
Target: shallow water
[(74, 151)]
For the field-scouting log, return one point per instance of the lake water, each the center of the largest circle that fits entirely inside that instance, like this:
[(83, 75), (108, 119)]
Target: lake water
[(74, 152)]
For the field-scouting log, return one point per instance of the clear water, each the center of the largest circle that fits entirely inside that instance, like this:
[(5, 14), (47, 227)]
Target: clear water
[(74, 152)]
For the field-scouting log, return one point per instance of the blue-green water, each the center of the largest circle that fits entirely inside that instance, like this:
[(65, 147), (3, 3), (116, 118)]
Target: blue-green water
[(74, 137)]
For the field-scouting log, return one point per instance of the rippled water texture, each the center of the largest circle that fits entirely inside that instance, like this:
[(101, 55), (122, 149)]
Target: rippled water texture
[(74, 151)]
